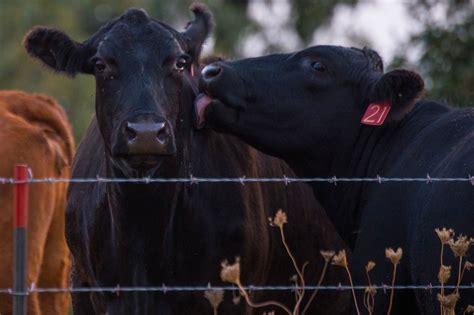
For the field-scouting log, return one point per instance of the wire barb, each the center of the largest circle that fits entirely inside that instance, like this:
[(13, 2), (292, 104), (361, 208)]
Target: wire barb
[(430, 287)]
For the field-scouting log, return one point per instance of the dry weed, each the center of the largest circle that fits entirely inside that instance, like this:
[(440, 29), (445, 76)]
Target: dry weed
[(369, 292), (231, 273), (448, 303), (394, 257), (327, 256), (215, 297), (469, 310), (341, 260), (459, 247)]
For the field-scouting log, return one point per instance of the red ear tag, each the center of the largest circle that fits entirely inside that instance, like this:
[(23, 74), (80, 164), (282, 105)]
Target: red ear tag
[(376, 113)]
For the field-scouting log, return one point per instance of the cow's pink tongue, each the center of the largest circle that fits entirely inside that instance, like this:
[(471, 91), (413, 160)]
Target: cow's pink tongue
[(200, 104)]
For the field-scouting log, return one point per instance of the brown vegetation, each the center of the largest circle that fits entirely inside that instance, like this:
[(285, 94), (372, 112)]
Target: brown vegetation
[(459, 247)]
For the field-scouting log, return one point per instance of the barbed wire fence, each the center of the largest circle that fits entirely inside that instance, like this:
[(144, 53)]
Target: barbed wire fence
[(243, 180), (250, 288), (166, 289), (24, 177)]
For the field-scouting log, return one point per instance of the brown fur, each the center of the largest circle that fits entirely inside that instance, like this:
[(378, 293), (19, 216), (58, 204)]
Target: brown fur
[(35, 131)]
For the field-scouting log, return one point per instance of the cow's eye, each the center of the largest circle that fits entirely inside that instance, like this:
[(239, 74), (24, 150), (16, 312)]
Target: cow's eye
[(100, 66), (181, 63), (318, 66)]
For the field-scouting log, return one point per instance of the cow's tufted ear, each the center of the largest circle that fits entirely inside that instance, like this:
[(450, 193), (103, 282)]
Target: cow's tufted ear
[(58, 51), (198, 29), (402, 88)]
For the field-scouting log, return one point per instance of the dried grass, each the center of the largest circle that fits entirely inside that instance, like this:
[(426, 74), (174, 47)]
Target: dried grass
[(459, 247)]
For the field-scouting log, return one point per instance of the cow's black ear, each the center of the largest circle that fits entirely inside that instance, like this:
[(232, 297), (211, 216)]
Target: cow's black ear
[(58, 51), (198, 29), (402, 88)]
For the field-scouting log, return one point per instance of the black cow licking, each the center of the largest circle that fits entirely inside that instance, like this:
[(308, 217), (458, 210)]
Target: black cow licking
[(306, 107)]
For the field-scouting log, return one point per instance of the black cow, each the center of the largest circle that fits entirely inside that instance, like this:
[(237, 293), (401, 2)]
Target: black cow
[(306, 107), (133, 234)]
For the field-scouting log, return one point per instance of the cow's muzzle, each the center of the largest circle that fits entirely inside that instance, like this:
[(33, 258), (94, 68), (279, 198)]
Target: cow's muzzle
[(146, 138), (149, 138)]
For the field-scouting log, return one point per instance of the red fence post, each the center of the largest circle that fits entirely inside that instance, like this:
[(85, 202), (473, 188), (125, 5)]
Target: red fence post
[(20, 223)]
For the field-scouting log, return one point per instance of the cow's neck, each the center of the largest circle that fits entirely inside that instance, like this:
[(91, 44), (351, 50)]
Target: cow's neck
[(373, 152), (140, 217)]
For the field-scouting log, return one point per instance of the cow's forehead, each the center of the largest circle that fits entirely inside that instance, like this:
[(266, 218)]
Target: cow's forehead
[(335, 53), (136, 33), (152, 35)]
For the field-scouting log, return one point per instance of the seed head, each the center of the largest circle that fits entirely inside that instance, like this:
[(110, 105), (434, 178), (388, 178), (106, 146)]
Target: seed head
[(279, 220), (370, 265), (394, 257), (294, 278), (370, 290), (468, 265), (444, 274), (461, 246), (231, 273), (448, 301), (327, 254), (340, 259), (236, 299), (215, 297), (444, 235)]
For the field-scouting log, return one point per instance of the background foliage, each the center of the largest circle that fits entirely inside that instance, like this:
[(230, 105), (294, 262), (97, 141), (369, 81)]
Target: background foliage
[(446, 60)]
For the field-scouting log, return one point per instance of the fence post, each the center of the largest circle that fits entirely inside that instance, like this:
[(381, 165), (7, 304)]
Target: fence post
[(20, 222)]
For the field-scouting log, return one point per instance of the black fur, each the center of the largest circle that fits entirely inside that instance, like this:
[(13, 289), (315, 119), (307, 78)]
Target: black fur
[(58, 51), (202, 24), (402, 88)]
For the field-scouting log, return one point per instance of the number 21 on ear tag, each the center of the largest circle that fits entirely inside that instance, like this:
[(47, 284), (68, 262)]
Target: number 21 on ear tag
[(376, 113)]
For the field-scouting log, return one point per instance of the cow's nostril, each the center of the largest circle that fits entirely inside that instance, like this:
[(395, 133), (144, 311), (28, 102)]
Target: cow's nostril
[(131, 133), (162, 136), (211, 71)]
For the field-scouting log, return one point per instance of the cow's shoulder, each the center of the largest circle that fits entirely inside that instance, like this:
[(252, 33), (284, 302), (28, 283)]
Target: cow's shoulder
[(443, 139), (85, 199)]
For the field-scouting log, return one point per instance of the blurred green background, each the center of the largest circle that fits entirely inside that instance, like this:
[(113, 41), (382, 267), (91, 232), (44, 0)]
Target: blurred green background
[(445, 50)]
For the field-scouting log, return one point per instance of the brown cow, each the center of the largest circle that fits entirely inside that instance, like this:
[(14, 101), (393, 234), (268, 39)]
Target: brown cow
[(35, 131)]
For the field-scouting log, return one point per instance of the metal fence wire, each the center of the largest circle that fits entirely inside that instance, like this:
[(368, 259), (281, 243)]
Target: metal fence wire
[(166, 289), (242, 180)]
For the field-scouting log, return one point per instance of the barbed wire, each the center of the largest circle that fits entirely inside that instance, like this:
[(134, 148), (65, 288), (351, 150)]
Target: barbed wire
[(243, 180), (165, 289), (196, 180)]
